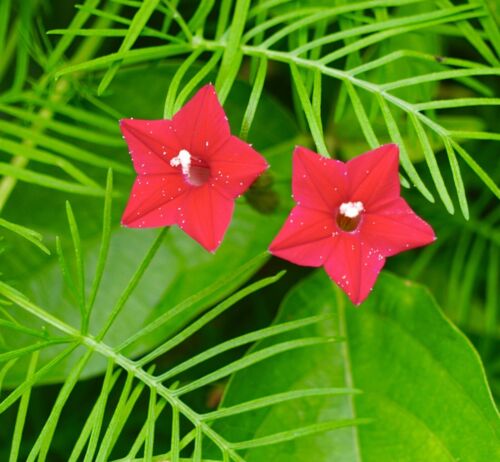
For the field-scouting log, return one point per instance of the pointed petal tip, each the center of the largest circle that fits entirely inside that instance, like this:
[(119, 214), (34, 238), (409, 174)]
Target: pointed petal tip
[(298, 149), (210, 247), (432, 235), (357, 300), (208, 87), (395, 148), (392, 146), (391, 149), (388, 149), (130, 123), (127, 222), (126, 121), (122, 123), (271, 249), (274, 250)]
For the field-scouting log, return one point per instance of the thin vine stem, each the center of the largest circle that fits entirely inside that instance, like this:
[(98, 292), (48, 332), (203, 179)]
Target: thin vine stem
[(95, 344)]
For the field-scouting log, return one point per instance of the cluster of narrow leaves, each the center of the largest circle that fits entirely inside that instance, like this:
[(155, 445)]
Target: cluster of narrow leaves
[(334, 347), (281, 32), (389, 90), (374, 67), (165, 394)]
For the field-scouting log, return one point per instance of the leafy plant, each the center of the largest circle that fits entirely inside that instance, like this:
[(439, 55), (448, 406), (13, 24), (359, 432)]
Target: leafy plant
[(402, 369), (139, 373), (112, 339)]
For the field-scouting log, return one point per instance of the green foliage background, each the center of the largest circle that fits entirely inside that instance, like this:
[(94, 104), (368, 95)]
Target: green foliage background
[(120, 344)]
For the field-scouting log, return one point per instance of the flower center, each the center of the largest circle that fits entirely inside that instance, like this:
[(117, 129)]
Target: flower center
[(349, 215), (195, 171)]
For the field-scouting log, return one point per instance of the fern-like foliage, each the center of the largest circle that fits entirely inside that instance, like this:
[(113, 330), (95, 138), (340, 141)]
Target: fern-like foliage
[(366, 67), (166, 396), (298, 34), (348, 43)]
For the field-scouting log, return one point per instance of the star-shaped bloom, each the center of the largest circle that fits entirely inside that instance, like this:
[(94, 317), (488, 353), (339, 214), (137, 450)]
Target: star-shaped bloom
[(189, 170), (349, 217)]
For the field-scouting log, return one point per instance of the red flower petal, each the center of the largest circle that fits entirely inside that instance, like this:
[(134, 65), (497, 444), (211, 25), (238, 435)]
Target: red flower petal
[(373, 176), (306, 237), (152, 144), (235, 166), (352, 229), (354, 266), (153, 201), (201, 125), (178, 183), (318, 182), (396, 228), (205, 213)]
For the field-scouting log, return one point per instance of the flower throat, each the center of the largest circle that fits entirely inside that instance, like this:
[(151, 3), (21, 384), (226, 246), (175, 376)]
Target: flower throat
[(349, 216), (195, 171)]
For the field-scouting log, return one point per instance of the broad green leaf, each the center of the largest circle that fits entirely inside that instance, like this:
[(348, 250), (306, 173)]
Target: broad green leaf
[(180, 269), (423, 386)]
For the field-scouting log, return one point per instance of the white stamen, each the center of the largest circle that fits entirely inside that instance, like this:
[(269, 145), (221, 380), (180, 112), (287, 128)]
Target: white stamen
[(351, 209), (183, 159)]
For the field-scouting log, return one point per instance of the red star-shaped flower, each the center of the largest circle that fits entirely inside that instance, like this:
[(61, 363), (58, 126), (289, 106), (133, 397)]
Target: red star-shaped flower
[(189, 170), (349, 217)]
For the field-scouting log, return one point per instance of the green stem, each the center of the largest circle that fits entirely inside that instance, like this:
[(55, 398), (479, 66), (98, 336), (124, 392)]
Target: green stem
[(95, 344)]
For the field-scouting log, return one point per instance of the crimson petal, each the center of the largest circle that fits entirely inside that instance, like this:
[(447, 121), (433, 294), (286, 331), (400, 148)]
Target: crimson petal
[(374, 177), (152, 144), (205, 214), (396, 228), (318, 182), (235, 166), (354, 266), (201, 125), (306, 238), (153, 201)]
